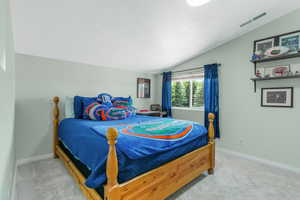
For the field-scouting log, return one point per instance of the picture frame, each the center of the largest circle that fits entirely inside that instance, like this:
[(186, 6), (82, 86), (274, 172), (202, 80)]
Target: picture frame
[(277, 97), (292, 41), (143, 88), (262, 46)]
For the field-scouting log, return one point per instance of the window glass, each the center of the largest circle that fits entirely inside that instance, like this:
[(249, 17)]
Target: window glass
[(187, 93), (198, 93)]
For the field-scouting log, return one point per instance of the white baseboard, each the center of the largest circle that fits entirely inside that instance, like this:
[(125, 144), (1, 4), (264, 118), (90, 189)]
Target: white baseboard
[(260, 160), (34, 158)]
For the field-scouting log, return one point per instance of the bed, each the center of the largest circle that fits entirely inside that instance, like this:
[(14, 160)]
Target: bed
[(132, 169)]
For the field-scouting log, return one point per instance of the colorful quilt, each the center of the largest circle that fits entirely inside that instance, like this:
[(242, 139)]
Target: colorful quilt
[(160, 129), (146, 138)]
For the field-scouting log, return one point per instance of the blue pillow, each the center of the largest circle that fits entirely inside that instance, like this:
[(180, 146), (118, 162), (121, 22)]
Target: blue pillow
[(105, 99), (80, 103), (77, 107)]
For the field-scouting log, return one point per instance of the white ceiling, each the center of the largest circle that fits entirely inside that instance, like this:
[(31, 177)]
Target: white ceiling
[(144, 35)]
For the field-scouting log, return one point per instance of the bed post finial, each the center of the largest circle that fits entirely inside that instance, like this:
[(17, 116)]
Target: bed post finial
[(112, 135), (111, 164), (211, 129), (55, 124)]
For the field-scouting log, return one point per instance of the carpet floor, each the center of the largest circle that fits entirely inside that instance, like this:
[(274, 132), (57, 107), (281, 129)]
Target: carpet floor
[(234, 179)]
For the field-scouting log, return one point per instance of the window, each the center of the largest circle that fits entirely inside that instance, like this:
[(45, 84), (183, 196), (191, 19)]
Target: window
[(188, 93)]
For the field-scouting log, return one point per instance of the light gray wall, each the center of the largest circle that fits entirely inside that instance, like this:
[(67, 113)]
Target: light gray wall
[(7, 101), (39, 79), (192, 115), (246, 127)]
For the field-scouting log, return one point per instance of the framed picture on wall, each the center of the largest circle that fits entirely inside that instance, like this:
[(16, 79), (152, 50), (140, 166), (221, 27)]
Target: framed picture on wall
[(290, 41), (143, 88), (262, 46), (277, 97)]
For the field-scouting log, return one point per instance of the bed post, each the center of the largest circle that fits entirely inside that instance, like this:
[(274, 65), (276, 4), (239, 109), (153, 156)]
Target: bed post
[(55, 124), (111, 188), (211, 137)]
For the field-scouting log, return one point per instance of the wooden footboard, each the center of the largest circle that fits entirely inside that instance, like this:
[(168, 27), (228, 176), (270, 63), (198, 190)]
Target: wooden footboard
[(156, 184)]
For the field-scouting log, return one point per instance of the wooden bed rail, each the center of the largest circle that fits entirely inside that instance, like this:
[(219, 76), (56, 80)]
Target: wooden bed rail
[(112, 188)]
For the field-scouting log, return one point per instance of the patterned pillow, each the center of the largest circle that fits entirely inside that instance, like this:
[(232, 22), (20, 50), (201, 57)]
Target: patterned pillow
[(105, 98), (80, 104), (116, 113), (87, 105), (122, 101), (131, 111), (97, 111)]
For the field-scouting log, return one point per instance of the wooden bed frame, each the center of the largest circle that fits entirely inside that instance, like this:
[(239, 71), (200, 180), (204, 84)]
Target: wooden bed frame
[(156, 184)]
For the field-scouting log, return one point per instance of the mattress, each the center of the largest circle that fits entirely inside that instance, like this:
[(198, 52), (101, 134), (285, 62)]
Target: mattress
[(89, 148)]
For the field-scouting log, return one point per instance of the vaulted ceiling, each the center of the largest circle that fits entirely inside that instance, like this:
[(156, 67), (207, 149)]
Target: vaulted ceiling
[(144, 35)]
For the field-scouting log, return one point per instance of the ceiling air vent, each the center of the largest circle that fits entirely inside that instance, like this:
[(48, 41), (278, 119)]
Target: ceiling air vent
[(253, 19)]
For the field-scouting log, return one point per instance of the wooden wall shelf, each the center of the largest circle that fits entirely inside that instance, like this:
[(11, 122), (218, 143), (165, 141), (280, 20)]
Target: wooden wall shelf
[(274, 78), (276, 58), (276, 39)]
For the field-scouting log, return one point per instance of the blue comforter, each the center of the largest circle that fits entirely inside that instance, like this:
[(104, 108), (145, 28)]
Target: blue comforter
[(143, 143)]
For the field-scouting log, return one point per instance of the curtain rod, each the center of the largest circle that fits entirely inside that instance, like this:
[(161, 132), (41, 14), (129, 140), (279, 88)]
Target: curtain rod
[(190, 69)]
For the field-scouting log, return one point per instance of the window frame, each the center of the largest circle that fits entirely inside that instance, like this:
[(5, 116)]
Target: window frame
[(191, 108)]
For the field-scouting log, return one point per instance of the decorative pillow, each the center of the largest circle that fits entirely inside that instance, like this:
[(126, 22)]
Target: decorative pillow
[(104, 98), (97, 111), (80, 104), (122, 101), (116, 113), (86, 104), (131, 111), (78, 107)]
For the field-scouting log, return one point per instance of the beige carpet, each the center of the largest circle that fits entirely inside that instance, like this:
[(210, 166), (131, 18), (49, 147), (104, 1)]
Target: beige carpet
[(235, 179)]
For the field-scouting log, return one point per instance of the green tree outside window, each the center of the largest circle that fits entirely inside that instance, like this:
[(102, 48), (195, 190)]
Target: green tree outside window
[(188, 93)]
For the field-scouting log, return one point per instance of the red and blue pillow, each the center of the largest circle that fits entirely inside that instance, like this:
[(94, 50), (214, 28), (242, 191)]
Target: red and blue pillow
[(122, 101), (97, 111), (104, 107)]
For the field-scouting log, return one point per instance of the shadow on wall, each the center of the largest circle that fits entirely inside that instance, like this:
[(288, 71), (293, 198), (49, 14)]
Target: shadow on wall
[(34, 127)]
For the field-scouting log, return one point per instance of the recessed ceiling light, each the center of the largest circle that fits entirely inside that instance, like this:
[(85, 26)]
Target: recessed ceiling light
[(197, 2)]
